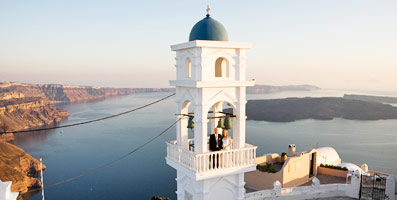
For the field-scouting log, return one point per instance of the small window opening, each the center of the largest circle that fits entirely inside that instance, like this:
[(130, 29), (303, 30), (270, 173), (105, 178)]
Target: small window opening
[(221, 68)]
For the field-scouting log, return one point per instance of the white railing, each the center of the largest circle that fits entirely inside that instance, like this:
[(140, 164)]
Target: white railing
[(204, 162)]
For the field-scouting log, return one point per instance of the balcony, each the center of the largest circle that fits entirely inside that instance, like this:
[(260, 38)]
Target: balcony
[(211, 164)]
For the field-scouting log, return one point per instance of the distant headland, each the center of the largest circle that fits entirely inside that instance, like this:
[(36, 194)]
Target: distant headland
[(325, 108), (379, 99), (67, 93), (270, 89)]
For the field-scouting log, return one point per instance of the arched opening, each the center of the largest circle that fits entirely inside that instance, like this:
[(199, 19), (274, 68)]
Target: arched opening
[(221, 68), (186, 134), (220, 135), (219, 114), (188, 68)]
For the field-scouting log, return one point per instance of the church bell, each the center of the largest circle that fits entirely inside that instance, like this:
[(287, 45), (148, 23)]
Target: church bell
[(220, 124), (228, 123), (190, 123)]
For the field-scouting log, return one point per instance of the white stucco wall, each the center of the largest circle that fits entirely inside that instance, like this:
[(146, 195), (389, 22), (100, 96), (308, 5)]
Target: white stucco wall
[(5, 191), (309, 192)]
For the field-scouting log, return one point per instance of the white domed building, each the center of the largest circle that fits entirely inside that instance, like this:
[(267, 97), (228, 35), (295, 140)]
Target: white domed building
[(328, 156)]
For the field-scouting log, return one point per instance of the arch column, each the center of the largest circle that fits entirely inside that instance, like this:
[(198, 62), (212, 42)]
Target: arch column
[(181, 126), (239, 127), (215, 109), (200, 130)]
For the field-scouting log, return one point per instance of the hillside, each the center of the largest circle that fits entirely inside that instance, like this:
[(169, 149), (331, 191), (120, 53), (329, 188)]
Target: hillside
[(379, 99), (67, 93), (25, 106), (24, 113), (18, 167), (326, 108)]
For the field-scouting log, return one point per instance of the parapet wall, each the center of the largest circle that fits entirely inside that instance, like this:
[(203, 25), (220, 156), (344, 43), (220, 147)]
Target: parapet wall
[(309, 192), (332, 172)]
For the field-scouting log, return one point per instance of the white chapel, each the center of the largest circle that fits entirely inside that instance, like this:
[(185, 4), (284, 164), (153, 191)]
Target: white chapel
[(210, 76)]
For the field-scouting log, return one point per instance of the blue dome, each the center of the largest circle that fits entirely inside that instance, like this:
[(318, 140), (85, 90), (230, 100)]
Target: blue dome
[(208, 29)]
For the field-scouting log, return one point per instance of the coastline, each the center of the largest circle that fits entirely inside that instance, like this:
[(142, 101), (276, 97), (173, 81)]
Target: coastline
[(19, 167)]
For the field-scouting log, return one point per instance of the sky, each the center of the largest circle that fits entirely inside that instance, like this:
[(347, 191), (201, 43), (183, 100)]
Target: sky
[(337, 44)]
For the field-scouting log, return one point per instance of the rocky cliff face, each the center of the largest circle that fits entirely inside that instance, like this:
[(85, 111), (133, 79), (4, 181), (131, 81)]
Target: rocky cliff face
[(18, 167), (12, 90), (7, 137), (24, 113), (67, 93), (25, 106)]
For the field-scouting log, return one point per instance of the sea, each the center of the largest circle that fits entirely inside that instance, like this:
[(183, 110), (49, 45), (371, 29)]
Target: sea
[(75, 151)]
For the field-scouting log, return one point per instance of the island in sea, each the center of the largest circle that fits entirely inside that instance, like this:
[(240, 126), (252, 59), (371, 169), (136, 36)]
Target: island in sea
[(325, 108), (379, 99)]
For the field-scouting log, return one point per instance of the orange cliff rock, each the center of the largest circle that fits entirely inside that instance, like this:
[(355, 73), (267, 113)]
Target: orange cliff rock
[(18, 167), (67, 93), (7, 137), (24, 113)]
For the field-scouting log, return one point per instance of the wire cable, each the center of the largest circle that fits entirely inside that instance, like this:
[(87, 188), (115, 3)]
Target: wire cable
[(90, 121), (91, 171)]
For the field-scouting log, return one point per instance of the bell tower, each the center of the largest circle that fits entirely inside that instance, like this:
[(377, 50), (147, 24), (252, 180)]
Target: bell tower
[(210, 77)]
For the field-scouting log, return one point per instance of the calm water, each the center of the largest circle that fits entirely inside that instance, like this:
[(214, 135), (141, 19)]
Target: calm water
[(145, 174)]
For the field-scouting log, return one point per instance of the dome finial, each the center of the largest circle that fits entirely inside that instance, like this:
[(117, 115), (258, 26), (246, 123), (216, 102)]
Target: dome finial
[(208, 10)]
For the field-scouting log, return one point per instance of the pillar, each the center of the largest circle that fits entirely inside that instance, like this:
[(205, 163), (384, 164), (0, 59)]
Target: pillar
[(239, 127), (390, 188), (200, 129)]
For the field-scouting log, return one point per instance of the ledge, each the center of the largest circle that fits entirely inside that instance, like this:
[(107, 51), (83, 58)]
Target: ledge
[(213, 44), (209, 174), (212, 84)]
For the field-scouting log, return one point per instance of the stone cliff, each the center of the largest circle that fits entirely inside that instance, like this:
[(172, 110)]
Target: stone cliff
[(7, 137), (18, 167), (24, 113), (67, 93)]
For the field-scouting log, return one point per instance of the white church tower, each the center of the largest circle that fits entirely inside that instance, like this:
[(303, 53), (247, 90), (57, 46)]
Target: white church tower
[(210, 76)]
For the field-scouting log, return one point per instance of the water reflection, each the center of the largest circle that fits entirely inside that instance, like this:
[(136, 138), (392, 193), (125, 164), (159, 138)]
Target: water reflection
[(34, 138)]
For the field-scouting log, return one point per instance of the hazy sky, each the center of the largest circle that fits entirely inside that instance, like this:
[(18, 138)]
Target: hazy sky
[(348, 44)]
